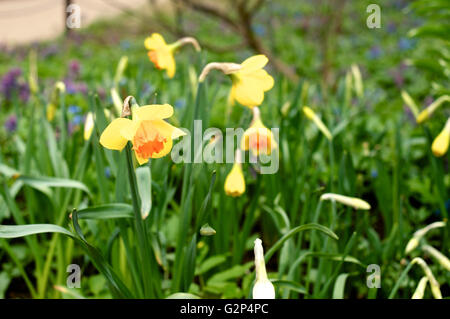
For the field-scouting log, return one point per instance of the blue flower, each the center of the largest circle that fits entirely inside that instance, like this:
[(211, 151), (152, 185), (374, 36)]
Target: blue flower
[(74, 109), (77, 120), (107, 172), (405, 44)]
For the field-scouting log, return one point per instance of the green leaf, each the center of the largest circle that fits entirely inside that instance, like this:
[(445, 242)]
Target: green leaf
[(339, 286), (44, 182), (210, 263), (117, 210), (294, 231), (15, 231), (144, 183), (290, 285), (232, 273)]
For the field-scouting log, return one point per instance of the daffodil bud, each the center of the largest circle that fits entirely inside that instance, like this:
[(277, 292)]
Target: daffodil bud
[(58, 88), (412, 244), (436, 254), (441, 142), (420, 290), (417, 236), (263, 288), (434, 284), (207, 230), (309, 113), (358, 81), (354, 202), (117, 101), (123, 62), (88, 126), (426, 113), (235, 182)]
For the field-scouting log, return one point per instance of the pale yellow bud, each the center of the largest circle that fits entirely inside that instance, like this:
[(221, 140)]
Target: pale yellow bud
[(354, 202), (263, 288)]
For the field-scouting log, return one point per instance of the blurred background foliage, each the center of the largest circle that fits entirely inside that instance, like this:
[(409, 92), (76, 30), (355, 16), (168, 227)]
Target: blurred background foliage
[(380, 153)]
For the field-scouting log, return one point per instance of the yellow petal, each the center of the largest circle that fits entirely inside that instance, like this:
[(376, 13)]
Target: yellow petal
[(260, 78), (248, 93), (140, 159), (167, 130), (253, 63), (153, 112), (111, 137), (154, 42), (167, 62), (235, 182)]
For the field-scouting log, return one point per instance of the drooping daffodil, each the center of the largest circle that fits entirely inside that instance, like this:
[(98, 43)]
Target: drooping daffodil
[(235, 182), (263, 288), (150, 135), (162, 54), (249, 80), (258, 138), (441, 142)]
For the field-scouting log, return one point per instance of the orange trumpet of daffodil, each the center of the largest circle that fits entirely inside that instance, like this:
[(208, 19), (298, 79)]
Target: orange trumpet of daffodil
[(162, 54), (258, 138), (235, 182), (249, 79), (150, 135)]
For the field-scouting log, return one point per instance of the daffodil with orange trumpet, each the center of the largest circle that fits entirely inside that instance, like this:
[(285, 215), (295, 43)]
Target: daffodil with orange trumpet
[(150, 135), (258, 138), (162, 54)]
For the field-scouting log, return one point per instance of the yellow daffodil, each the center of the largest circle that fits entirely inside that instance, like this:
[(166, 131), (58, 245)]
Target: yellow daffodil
[(162, 54), (235, 182), (258, 138), (354, 202), (426, 113), (358, 81), (310, 114), (420, 290), (150, 135), (441, 142), (251, 81), (263, 288)]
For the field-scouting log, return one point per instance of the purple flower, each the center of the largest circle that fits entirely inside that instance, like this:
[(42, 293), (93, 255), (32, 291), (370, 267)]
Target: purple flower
[(9, 82), (24, 92), (50, 51), (74, 69), (11, 123)]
